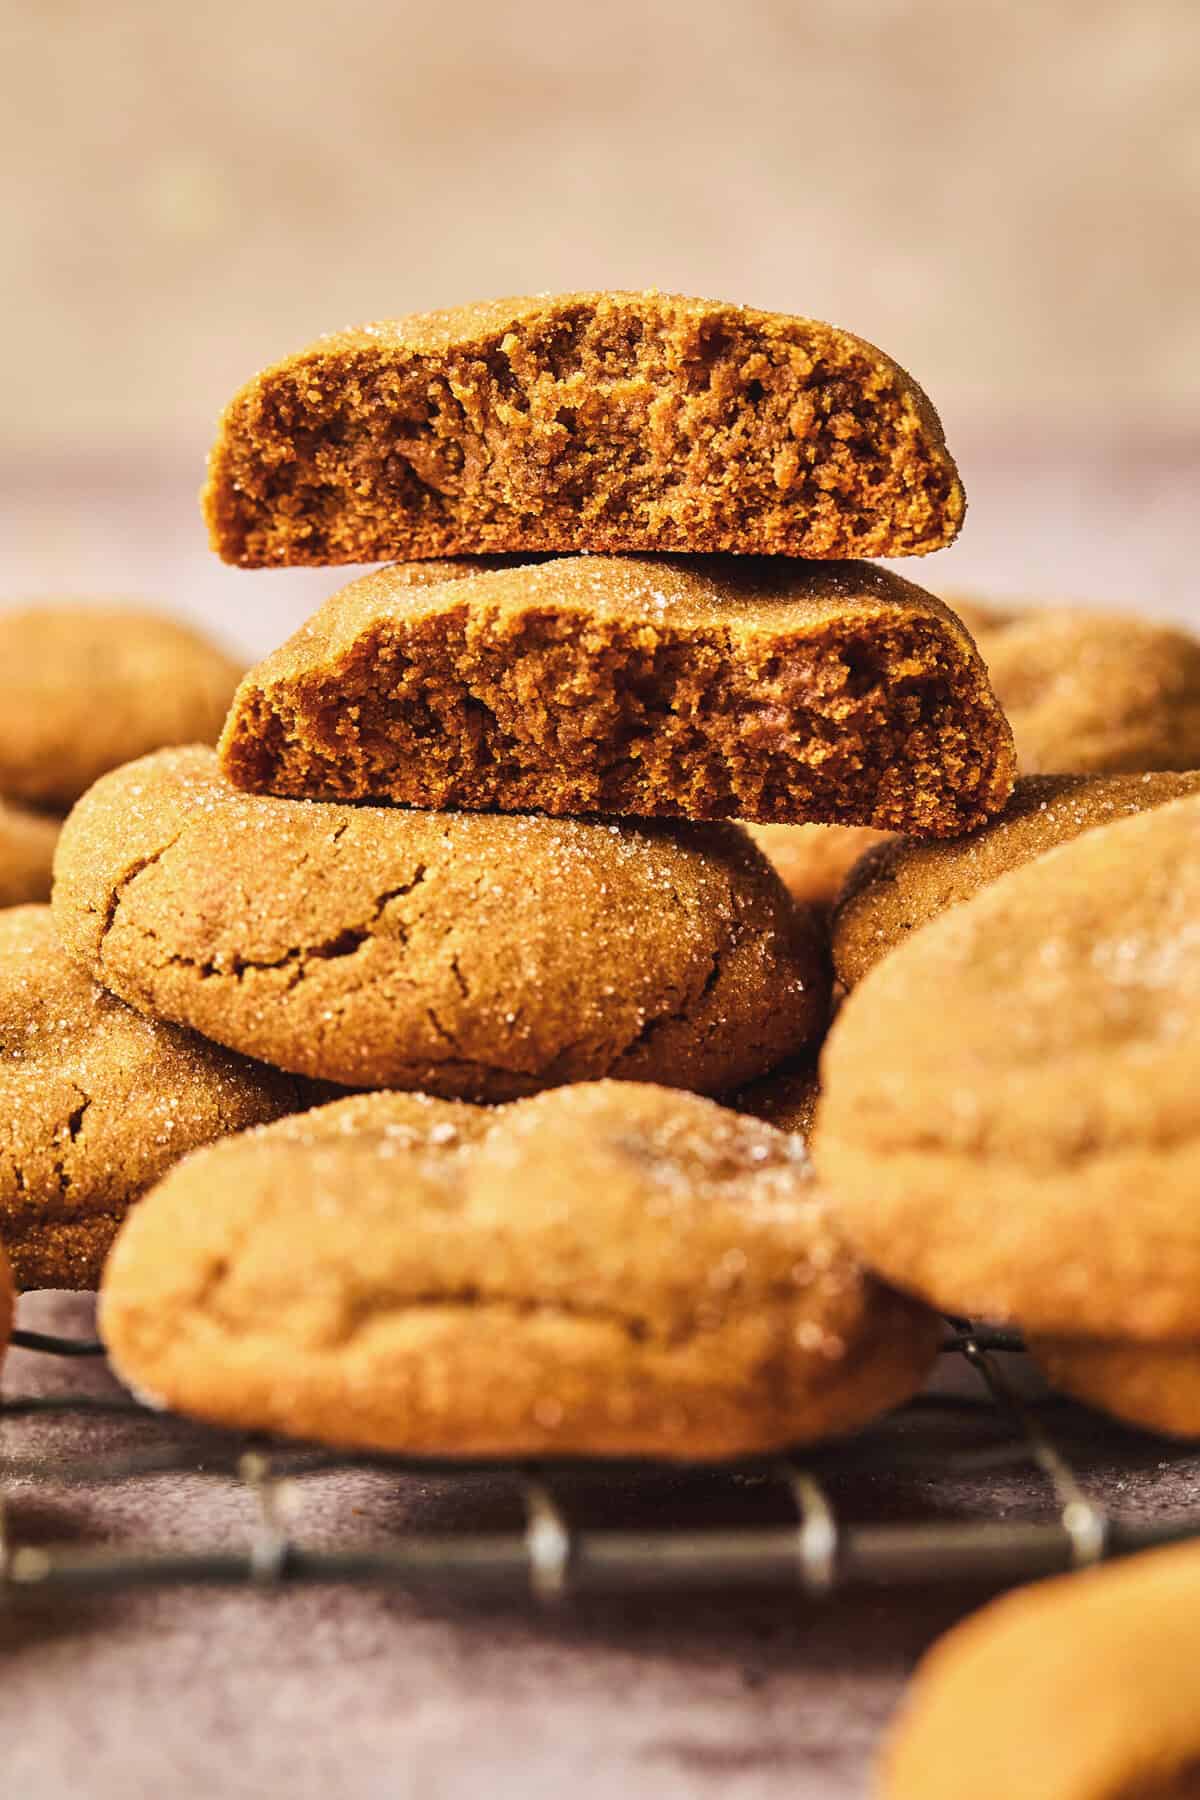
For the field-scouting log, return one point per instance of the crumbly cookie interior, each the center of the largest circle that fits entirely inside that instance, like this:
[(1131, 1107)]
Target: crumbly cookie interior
[(881, 723), (632, 423)]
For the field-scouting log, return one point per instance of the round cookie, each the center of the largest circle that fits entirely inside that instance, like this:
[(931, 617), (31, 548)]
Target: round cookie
[(97, 1102), (1089, 691), (1008, 1114), (1085, 1687), (474, 955), (27, 841), (84, 688), (606, 1269), (902, 884), (813, 861), (1155, 1386)]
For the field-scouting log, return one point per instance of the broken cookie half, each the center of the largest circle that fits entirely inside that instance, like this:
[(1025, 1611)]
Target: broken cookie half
[(591, 421), (696, 688)]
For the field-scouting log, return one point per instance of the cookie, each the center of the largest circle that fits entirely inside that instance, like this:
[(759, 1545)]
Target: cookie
[(786, 1098), (1092, 692), (27, 841), (699, 689), (1086, 1687), (1008, 1109), (97, 1102), (902, 884), (1154, 1386), (474, 955), (84, 688), (814, 860), (608, 1269), (603, 421)]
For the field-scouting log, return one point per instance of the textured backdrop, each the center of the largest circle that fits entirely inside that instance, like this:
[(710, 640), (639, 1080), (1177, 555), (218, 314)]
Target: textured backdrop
[(1006, 197)]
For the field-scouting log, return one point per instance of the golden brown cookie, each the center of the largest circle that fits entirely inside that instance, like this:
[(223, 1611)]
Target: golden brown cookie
[(603, 421), (1008, 1117), (83, 688), (1086, 1687), (27, 841), (1156, 1386), (786, 1098), (901, 885), (96, 1103), (1089, 691), (476, 955), (696, 688), (609, 1269), (814, 860)]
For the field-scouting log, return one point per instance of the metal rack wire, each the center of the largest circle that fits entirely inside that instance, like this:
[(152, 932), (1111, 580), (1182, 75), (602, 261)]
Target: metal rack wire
[(811, 1550)]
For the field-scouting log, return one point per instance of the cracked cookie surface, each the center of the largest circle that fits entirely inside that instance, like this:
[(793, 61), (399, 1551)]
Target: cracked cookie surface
[(475, 955), (96, 1103), (1008, 1113), (609, 1269), (901, 885), (84, 688), (637, 687), (592, 421), (1081, 1688)]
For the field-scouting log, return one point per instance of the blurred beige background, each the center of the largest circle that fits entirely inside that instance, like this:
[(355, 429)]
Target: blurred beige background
[(1005, 197)]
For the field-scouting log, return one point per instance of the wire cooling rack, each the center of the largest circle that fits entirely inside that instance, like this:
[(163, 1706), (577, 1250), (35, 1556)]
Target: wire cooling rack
[(801, 1542)]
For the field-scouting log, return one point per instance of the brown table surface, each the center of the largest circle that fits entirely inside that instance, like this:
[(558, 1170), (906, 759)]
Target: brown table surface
[(348, 1692)]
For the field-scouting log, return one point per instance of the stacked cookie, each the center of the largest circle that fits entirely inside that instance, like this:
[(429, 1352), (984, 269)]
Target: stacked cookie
[(494, 937), (468, 838)]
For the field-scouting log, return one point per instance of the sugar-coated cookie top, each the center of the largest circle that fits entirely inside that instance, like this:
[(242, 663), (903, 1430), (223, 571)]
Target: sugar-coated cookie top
[(479, 955), (98, 1101), (902, 884), (1008, 1118), (611, 1267)]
